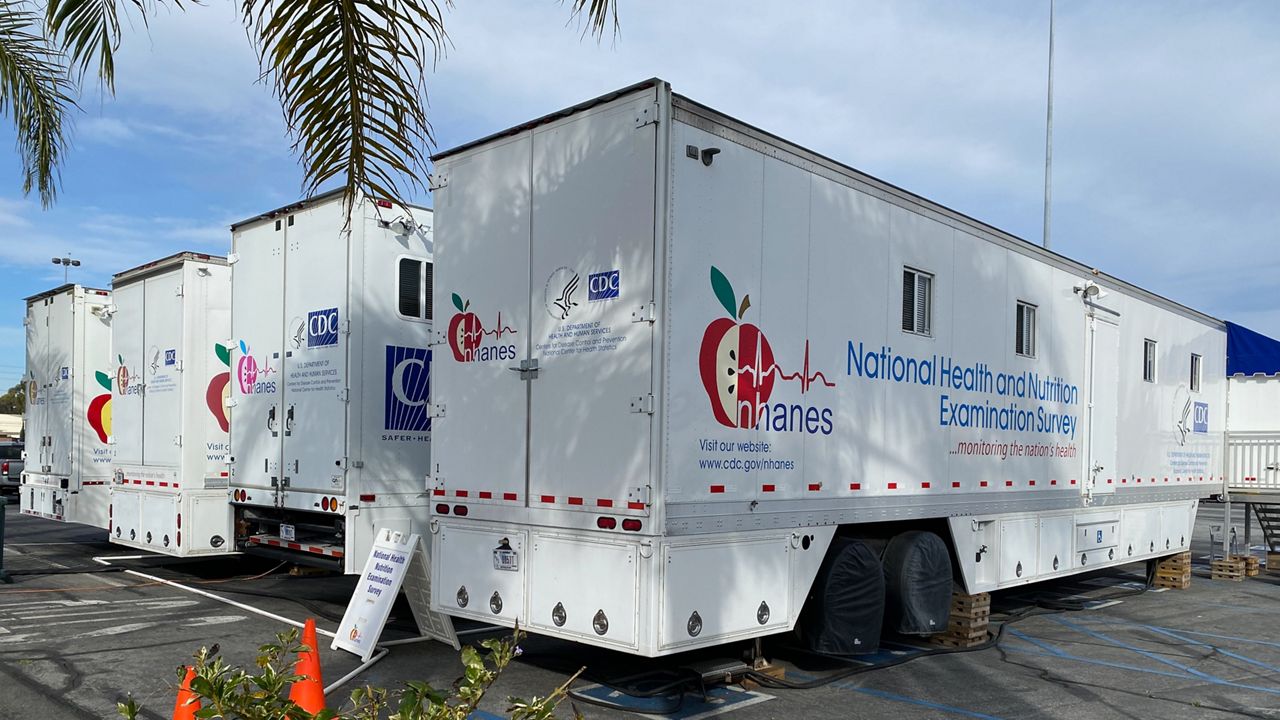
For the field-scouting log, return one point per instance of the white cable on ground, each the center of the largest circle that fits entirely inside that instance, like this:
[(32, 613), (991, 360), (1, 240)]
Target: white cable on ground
[(381, 647)]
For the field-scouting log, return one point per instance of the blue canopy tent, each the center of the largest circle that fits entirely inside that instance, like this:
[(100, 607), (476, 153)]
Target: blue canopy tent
[(1251, 353)]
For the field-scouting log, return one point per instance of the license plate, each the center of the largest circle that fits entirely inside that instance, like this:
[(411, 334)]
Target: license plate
[(287, 532), (506, 559)]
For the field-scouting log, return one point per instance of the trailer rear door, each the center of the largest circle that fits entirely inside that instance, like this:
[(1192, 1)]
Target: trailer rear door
[(258, 329), (1104, 406), (314, 428), (128, 348), (162, 441), (38, 379), (592, 280), (65, 378)]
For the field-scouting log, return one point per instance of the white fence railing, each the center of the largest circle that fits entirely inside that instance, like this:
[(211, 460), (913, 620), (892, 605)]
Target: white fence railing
[(1253, 462)]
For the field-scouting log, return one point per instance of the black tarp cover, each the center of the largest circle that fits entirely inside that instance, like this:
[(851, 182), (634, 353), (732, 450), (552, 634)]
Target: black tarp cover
[(917, 572), (846, 606)]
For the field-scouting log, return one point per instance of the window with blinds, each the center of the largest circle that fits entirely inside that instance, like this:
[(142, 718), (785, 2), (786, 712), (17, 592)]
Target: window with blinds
[(413, 283), (917, 302), (1195, 372), (1024, 333), (1149, 360)]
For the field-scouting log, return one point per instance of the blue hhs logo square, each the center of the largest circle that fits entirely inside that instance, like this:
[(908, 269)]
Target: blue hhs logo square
[(322, 328), (603, 286), (1200, 423), (408, 389)]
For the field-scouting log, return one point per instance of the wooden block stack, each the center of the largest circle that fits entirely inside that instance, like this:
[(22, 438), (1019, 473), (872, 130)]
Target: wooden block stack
[(1174, 572), (1273, 563), (967, 625), (1251, 565), (1231, 568)]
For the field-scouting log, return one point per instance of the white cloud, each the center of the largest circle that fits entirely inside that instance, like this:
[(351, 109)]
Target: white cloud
[(111, 131)]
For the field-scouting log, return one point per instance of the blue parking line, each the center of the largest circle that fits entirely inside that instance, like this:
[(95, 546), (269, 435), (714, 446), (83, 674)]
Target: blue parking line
[(845, 685), (1215, 648), (1145, 653), (1180, 631)]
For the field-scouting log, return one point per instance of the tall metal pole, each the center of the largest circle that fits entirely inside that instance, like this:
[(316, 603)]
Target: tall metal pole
[(1048, 138)]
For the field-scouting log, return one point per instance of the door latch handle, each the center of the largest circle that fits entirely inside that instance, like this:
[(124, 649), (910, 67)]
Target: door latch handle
[(528, 369)]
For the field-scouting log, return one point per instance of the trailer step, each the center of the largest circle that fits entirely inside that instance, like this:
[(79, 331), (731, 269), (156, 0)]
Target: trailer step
[(1269, 520), (314, 548)]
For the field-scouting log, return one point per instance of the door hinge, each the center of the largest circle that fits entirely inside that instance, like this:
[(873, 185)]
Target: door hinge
[(346, 327), (231, 402), (177, 291), (647, 115), (645, 313), (528, 369), (436, 410), (233, 258), (642, 404), (437, 181), (639, 494), (177, 440), (344, 395)]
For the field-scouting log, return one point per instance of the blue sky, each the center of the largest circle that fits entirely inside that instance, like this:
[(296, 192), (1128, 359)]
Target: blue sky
[(1166, 155)]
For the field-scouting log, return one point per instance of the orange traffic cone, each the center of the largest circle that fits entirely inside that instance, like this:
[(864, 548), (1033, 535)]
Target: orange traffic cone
[(308, 691), (188, 703)]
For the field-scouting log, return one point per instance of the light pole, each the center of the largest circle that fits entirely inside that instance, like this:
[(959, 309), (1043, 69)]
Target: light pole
[(1048, 139), (67, 263)]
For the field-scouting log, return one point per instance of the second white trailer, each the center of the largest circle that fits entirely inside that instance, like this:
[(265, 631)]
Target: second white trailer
[(69, 384), (330, 436), (169, 337)]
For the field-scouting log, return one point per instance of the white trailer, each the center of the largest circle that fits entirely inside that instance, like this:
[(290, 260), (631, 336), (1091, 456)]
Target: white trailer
[(330, 434), (69, 397), (172, 318), (623, 459)]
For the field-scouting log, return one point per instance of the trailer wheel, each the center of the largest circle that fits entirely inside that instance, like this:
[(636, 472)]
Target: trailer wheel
[(918, 581), (845, 609)]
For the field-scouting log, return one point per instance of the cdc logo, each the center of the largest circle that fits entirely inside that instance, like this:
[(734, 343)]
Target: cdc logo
[(603, 285), (1200, 421), (408, 389), (322, 328)]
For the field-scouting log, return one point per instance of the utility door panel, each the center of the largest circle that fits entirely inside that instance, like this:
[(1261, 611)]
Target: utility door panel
[(128, 348), (257, 329), (61, 357), (481, 293), (161, 372), (1104, 405), (314, 426), (591, 288)]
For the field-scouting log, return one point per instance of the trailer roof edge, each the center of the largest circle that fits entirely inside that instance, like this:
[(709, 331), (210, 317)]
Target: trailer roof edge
[(63, 288)]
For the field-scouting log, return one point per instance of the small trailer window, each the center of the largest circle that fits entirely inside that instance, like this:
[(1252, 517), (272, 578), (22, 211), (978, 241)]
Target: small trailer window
[(1195, 372), (917, 302), (413, 281), (1149, 360), (1024, 342)]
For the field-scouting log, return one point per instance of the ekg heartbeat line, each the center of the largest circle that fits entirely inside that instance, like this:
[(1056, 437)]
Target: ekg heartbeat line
[(480, 331), (804, 376)]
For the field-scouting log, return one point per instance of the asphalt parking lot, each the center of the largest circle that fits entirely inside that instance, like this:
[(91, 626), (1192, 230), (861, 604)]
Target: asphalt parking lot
[(73, 643)]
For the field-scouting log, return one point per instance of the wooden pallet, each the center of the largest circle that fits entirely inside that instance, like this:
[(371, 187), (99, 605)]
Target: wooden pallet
[(968, 622), (1231, 568), (1252, 565), (1174, 572), (1273, 563)]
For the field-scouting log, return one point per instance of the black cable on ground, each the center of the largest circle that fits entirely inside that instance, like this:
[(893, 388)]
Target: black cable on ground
[(1041, 607)]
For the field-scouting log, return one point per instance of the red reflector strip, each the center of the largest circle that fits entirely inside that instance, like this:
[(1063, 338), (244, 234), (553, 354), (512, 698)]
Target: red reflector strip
[(548, 498), (368, 498), (486, 495), (924, 485), (461, 493), (150, 483), (982, 483), (1073, 482), (955, 484), (1032, 483), (717, 488), (1008, 483), (604, 502), (575, 501), (222, 474), (767, 488), (893, 486), (635, 505), (855, 486), (815, 487), (438, 491), (382, 203), (508, 496), (1053, 482), (1108, 481)]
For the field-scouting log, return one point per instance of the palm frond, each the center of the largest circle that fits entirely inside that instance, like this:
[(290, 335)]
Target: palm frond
[(89, 30), (351, 78), (33, 92), (600, 14)]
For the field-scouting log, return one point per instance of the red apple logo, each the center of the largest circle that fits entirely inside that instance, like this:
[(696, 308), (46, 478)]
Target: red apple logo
[(219, 390), (735, 361), (465, 331), (99, 412)]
